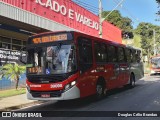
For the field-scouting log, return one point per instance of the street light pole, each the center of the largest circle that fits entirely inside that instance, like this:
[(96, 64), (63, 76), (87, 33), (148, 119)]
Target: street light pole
[(100, 15), (114, 9), (100, 18)]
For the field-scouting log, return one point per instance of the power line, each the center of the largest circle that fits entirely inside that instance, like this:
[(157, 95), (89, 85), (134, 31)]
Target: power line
[(128, 12), (87, 6), (91, 9), (95, 9)]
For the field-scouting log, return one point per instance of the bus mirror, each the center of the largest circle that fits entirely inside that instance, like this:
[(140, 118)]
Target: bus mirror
[(23, 57)]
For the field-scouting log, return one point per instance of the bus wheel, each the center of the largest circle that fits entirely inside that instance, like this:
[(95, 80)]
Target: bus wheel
[(99, 91), (132, 81)]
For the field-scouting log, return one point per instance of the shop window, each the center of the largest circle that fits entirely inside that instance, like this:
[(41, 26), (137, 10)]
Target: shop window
[(15, 41), (5, 45), (16, 47), (24, 43), (5, 40)]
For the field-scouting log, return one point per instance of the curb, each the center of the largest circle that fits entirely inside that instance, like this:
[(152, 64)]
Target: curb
[(22, 106)]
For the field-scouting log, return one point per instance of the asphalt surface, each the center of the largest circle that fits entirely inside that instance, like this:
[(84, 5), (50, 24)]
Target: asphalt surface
[(142, 98)]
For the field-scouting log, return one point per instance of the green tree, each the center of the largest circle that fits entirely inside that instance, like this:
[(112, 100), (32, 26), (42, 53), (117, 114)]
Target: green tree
[(146, 31), (13, 72), (137, 41), (157, 38), (158, 1), (158, 13), (123, 23)]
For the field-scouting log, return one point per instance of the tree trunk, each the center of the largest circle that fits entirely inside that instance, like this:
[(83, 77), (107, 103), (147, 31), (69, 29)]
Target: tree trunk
[(17, 81)]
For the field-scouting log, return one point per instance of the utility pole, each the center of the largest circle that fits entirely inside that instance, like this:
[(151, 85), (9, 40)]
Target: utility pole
[(100, 18), (100, 15), (154, 41)]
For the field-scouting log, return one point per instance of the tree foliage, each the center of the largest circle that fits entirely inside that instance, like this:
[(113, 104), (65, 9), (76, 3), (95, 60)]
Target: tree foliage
[(12, 72), (123, 23), (146, 31), (158, 1)]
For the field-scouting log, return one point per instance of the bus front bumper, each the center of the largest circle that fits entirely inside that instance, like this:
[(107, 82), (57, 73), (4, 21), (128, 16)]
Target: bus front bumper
[(155, 71), (72, 93)]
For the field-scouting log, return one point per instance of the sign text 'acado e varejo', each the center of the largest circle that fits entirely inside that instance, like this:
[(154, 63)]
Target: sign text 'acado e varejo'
[(70, 13)]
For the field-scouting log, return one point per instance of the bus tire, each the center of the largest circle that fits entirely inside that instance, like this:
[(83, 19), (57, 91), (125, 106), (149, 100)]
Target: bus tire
[(100, 91), (132, 81)]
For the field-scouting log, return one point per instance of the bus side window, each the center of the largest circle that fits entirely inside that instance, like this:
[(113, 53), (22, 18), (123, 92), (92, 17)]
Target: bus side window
[(85, 54), (138, 56), (112, 53), (128, 55), (133, 56), (121, 56), (100, 52)]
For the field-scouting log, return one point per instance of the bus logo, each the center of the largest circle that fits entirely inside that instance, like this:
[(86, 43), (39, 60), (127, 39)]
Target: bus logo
[(35, 86)]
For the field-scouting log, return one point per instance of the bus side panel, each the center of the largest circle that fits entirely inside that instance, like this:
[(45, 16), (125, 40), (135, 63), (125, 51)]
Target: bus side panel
[(137, 69), (86, 83), (87, 79), (111, 76), (125, 74)]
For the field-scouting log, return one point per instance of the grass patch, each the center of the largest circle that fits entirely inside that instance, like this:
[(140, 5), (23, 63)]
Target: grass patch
[(12, 92)]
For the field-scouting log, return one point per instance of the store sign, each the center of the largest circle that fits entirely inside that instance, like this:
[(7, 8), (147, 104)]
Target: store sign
[(70, 13), (9, 56), (12, 55)]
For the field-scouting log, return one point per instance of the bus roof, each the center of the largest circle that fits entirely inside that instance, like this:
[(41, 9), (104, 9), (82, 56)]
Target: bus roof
[(90, 36), (46, 33), (131, 47)]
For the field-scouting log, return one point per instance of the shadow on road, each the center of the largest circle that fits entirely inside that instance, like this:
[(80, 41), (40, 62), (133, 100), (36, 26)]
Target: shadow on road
[(88, 102), (83, 102)]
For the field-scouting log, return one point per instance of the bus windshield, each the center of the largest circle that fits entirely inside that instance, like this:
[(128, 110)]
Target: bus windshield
[(57, 59), (155, 62)]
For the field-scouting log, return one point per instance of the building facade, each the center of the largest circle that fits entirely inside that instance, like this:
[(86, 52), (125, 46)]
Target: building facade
[(21, 18)]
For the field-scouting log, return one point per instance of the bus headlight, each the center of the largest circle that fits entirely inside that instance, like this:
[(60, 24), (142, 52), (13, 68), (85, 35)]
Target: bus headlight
[(152, 72), (73, 83), (70, 85), (67, 86)]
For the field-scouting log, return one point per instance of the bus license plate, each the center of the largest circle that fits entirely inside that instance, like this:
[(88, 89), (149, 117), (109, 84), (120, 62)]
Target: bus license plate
[(45, 95)]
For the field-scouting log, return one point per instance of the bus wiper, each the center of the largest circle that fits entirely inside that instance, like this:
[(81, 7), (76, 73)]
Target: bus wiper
[(58, 48)]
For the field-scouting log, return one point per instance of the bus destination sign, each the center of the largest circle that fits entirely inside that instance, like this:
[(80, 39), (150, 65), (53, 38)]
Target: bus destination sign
[(49, 38)]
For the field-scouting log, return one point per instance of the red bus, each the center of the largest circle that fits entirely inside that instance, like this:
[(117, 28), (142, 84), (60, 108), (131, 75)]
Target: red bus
[(155, 64), (68, 65)]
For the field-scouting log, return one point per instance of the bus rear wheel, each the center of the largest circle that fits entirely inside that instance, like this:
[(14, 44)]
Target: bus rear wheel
[(132, 81), (99, 91)]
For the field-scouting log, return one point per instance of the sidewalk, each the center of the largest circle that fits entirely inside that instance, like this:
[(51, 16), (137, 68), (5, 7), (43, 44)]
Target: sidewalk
[(16, 102)]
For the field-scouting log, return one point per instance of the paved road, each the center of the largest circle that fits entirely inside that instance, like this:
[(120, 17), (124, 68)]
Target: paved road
[(144, 97)]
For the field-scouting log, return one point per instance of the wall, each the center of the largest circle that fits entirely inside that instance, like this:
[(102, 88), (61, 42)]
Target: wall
[(69, 14)]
